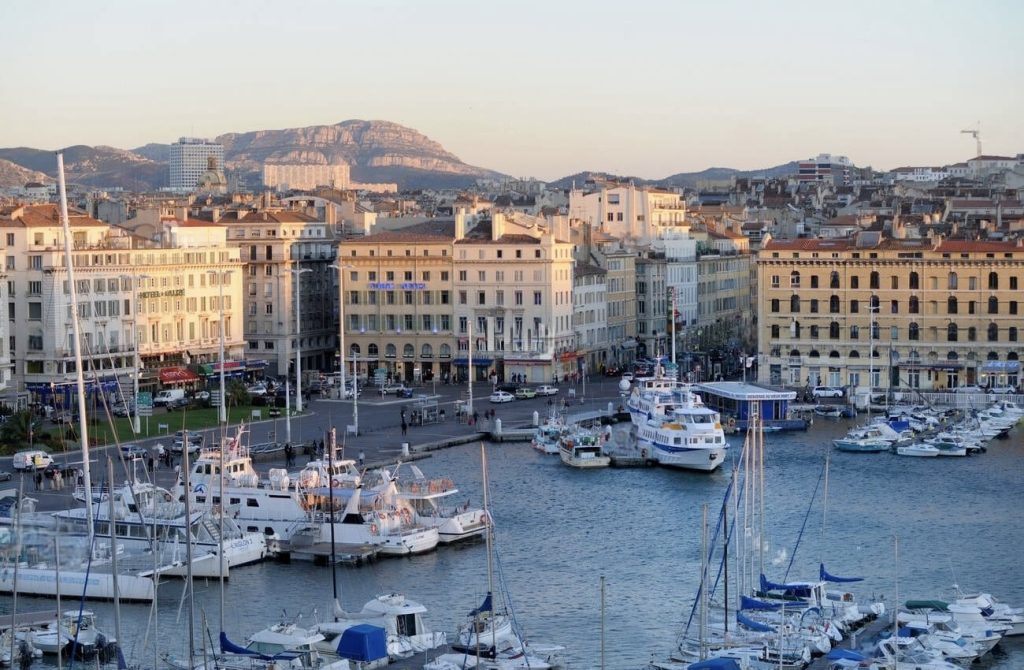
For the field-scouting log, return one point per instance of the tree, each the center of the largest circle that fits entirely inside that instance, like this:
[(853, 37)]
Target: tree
[(236, 392), (19, 430)]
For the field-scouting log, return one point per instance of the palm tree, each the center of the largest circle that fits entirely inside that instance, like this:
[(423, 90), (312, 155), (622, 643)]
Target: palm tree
[(19, 430)]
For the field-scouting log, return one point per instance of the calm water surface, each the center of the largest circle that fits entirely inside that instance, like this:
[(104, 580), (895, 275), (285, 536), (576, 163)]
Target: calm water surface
[(560, 530)]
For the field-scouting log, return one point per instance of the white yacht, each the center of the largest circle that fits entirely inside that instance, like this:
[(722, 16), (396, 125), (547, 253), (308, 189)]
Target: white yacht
[(691, 437), (402, 618), (429, 503), (584, 449)]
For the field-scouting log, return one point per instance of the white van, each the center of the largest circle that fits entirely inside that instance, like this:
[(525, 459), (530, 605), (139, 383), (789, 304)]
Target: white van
[(167, 396), (31, 460)]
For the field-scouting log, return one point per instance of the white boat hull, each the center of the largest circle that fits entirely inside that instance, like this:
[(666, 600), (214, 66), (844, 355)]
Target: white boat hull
[(98, 586), (462, 526), (705, 460)]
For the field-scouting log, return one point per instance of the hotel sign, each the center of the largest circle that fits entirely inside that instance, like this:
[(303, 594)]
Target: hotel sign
[(162, 294), (404, 286)]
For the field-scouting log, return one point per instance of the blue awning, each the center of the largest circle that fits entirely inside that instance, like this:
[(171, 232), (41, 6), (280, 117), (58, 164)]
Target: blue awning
[(463, 362), (1001, 366)]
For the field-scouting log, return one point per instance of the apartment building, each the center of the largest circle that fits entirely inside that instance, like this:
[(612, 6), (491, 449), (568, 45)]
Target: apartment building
[(163, 301), (290, 288), (653, 306), (885, 313), (627, 211), (589, 316), (305, 177), (189, 160)]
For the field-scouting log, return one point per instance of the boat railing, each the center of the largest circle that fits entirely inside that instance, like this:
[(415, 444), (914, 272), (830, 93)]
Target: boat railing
[(427, 486)]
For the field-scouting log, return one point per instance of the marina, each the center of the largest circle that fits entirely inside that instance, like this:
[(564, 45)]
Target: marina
[(553, 544)]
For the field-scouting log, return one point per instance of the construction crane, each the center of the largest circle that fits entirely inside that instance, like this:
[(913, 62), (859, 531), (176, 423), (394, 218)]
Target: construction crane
[(976, 133)]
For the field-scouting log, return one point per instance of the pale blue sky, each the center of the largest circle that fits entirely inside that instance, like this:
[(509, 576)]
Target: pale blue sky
[(541, 88)]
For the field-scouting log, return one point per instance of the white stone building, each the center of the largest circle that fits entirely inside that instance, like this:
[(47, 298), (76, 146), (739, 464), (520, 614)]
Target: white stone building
[(189, 160)]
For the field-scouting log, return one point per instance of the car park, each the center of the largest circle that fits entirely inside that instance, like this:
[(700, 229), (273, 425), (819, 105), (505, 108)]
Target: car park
[(133, 452), (827, 392), (546, 390), (502, 396), (525, 392)]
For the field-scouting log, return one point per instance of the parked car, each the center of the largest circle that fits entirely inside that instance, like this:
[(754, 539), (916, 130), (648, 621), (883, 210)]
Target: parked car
[(192, 436), (827, 392), (123, 409), (394, 389), (168, 395), (502, 396), (971, 388), (202, 395), (546, 390), (256, 389), (404, 392), (1003, 390), (133, 452), (179, 403), (34, 459), (525, 392), (507, 387)]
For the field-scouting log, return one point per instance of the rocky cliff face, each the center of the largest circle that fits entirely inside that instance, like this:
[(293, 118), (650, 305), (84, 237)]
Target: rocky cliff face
[(12, 175)]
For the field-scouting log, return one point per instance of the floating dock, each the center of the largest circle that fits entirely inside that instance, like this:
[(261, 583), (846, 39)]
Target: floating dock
[(321, 553)]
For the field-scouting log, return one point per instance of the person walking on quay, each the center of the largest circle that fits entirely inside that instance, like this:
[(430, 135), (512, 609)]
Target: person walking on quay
[(476, 417), (58, 481), (362, 458), (161, 454), (38, 480), (289, 455), (405, 426), (149, 463)]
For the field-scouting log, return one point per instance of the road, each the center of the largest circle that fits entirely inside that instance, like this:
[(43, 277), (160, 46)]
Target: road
[(380, 435)]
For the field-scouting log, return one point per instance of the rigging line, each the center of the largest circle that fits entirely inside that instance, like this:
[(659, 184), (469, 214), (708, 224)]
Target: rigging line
[(807, 515)]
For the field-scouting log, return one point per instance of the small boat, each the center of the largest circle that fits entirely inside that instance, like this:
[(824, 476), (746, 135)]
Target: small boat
[(547, 435), (425, 499), (74, 629), (921, 449), (862, 445), (583, 449), (402, 618), (834, 411)]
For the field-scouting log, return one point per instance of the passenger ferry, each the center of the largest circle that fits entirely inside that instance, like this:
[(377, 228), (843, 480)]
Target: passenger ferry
[(690, 436)]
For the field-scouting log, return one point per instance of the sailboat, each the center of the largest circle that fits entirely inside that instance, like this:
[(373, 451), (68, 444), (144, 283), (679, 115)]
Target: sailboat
[(490, 638)]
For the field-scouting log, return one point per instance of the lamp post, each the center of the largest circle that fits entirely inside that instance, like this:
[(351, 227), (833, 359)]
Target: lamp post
[(341, 267), (298, 272), (134, 279), (221, 275)]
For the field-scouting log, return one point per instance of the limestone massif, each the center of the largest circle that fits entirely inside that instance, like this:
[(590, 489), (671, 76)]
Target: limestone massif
[(376, 151)]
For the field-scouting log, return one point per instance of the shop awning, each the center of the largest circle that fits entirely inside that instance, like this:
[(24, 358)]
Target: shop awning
[(177, 376), (476, 361)]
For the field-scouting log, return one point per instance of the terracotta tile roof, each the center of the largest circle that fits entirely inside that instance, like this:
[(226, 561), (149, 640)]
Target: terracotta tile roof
[(47, 215), (504, 239), (438, 230), (809, 245), (277, 216), (966, 246)]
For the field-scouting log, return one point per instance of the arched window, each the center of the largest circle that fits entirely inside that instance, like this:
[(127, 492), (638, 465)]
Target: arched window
[(951, 332), (427, 351), (913, 331), (446, 351), (952, 281), (833, 354), (1012, 356), (1011, 334), (993, 281), (794, 279), (354, 349), (914, 305), (993, 305), (833, 280), (814, 354), (390, 351), (833, 330), (854, 354), (775, 331), (915, 281), (408, 351), (993, 332), (794, 304), (833, 305), (951, 305), (794, 353), (993, 356), (372, 351), (873, 280)]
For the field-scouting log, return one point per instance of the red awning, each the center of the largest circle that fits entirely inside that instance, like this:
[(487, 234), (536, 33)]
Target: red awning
[(177, 376)]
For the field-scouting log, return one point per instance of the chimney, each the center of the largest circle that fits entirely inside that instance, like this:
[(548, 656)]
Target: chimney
[(181, 213), (497, 225), (460, 223), (215, 214), (588, 241)]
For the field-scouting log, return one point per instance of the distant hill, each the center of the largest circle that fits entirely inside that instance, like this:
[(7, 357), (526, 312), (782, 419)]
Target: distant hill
[(12, 174), (99, 166), (680, 180)]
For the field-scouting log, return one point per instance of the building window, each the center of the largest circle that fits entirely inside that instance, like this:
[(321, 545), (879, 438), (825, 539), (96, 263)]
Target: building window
[(952, 281), (873, 280), (775, 304), (854, 307), (519, 297), (1013, 283), (481, 297), (1012, 306), (463, 297), (894, 306), (894, 282), (894, 333), (913, 331), (833, 305), (993, 281), (462, 275), (775, 281), (814, 281), (794, 279), (915, 281), (1011, 333), (971, 306), (855, 282), (537, 298), (993, 333), (951, 333), (814, 306), (993, 305), (854, 332), (269, 309), (972, 334), (833, 330), (409, 298), (775, 331), (914, 305), (794, 304), (814, 332), (951, 306), (833, 280)]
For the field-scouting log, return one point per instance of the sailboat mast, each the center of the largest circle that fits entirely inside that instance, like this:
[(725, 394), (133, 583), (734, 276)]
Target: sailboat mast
[(113, 551), (332, 438), (490, 543), (76, 330)]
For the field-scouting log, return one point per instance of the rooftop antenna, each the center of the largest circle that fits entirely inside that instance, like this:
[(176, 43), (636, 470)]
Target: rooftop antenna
[(976, 133)]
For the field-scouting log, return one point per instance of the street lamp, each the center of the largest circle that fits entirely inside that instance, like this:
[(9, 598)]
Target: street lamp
[(134, 279), (298, 272), (221, 275)]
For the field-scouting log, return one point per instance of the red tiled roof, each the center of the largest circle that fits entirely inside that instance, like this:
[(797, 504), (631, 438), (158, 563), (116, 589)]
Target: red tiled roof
[(809, 245), (49, 215), (965, 246)]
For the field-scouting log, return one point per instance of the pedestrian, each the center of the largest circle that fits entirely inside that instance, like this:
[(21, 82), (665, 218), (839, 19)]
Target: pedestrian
[(476, 417), (80, 477), (39, 480), (58, 480), (405, 426), (149, 463), (362, 458), (289, 454)]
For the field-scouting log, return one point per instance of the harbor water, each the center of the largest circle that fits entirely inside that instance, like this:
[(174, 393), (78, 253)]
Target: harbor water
[(559, 530)]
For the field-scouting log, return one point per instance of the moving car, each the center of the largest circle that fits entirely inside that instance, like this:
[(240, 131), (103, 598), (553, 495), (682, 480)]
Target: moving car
[(524, 392), (827, 392), (546, 390), (396, 389), (501, 396), (34, 459)]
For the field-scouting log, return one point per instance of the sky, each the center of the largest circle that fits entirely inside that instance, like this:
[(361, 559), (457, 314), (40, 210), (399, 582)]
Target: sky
[(530, 88)]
